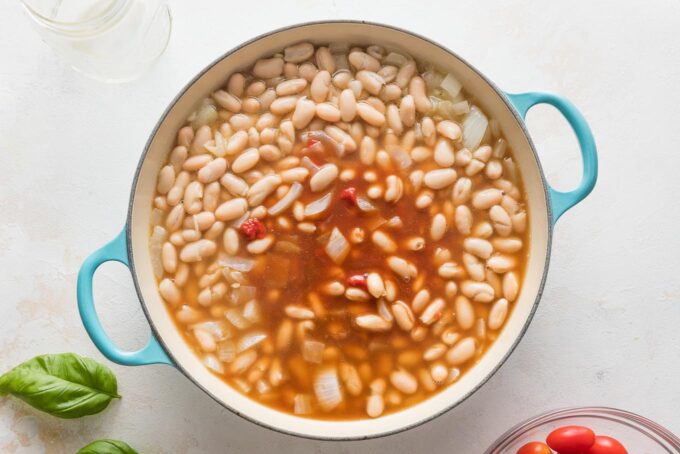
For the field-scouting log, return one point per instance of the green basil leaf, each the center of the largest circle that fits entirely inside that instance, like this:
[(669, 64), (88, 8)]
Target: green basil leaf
[(64, 385), (107, 447)]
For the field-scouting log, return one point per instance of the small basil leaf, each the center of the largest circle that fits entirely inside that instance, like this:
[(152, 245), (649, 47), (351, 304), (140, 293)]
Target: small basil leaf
[(107, 447), (64, 385)]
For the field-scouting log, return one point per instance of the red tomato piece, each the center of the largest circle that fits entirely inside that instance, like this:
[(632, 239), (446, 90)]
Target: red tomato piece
[(606, 445), (571, 439), (349, 194), (311, 142), (253, 228), (534, 447), (358, 280)]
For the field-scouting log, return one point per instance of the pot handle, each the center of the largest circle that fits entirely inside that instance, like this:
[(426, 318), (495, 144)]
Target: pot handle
[(152, 353), (562, 201)]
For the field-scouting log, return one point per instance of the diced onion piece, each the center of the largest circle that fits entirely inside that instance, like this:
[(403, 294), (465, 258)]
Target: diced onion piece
[(375, 223), (287, 247), (236, 319), (303, 404), (460, 108), (250, 340), (365, 205), (237, 263), (237, 223), (399, 156), (451, 85), (327, 389), (510, 170), (309, 164), (326, 140), (312, 351), (287, 200), (251, 311), (212, 363), (337, 247), (433, 78), (474, 128), (395, 222), (157, 216), (318, 206), (156, 241), (217, 328), (226, 351)]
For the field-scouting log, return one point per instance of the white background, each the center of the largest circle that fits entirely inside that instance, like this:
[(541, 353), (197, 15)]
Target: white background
[(606, 332)]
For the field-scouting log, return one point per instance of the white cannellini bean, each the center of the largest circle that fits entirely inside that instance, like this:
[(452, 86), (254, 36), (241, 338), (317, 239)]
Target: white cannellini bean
[(465, 313), (463, 219), (370, 114), (501, 263), (462, 352), (403, 268), (510, 286), (497, 314), (478, 246), (403, 315), (443, 153), (259, 191), (474, 267), (440, 178), (486, 198), (297, 53), (480, 292), (231, 209), (417, 89), (462, 190), (347, 104), (324, 177), (420, 300), (268, 68), (246, 160), (328, 112), (305, 110), (169, 257), (320, 86), (169, 291), (235, 185), (438, 227), (433, 311), (407, 111), (404, 381), (384, 242), (291, 87), (375, 285), (507, 245), (260, 246)]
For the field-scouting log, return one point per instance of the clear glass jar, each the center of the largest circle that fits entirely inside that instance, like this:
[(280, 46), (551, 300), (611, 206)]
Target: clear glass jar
[(638, 435), (109, 40)]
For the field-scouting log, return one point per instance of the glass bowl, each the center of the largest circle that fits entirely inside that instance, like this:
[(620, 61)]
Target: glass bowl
[(639, 435)]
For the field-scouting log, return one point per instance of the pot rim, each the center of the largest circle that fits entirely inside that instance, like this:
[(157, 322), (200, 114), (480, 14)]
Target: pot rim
[(521, 123)]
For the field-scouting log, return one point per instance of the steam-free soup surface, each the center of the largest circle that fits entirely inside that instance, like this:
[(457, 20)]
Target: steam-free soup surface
[(339, 233)]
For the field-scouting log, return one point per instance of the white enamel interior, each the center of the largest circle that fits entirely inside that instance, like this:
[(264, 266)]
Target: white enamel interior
[(162, 142)]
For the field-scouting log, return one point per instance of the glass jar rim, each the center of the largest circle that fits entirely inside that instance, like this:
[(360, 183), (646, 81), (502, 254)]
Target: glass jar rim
[(90, 25)]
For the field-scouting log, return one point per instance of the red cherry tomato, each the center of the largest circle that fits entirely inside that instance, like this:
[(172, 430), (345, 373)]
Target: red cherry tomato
[(534, 447), (606, 445), (571, 439), (349, 194), (358, 280)]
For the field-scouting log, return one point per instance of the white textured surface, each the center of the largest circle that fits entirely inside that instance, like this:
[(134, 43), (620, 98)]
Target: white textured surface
[(606, 332)]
